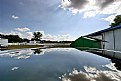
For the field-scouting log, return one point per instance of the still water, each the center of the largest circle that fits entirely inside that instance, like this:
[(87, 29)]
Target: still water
[(56, 64)]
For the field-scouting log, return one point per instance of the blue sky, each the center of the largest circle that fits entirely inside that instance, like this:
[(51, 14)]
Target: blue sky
[(56, 19)]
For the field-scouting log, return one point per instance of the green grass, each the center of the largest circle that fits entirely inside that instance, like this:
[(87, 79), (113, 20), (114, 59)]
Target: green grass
[(10, 47)]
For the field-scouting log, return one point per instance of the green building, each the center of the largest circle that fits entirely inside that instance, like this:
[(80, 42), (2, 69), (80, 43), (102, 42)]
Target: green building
[(86, 43)]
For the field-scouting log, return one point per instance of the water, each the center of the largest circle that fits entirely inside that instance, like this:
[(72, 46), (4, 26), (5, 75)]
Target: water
[(53, 64)]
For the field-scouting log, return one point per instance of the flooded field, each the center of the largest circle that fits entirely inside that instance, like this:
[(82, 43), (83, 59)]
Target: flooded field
[(56, 64)]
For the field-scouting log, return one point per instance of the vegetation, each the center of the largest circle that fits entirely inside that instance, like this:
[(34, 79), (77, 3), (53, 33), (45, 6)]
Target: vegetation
[(26, 40), (37, 36), (117, 21), (12, 38)]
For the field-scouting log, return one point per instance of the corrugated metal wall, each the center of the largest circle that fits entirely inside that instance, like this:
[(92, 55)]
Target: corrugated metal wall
[(117, 34), (113, 39), (108, 36)]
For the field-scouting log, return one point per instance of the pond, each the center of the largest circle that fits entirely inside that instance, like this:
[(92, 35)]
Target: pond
[(56, 64)]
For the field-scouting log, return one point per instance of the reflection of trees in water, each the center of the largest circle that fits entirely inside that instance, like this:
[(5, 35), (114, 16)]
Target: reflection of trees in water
[(37, 51)]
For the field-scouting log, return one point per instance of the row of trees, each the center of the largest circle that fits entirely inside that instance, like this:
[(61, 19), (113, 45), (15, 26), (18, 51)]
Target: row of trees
[(15, 38)]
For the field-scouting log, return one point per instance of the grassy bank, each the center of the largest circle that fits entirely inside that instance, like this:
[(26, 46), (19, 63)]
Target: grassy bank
[(10, 47)]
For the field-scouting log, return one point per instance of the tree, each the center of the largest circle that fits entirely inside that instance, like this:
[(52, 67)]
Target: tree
[(26, 40), (37, 36), (117, 21)]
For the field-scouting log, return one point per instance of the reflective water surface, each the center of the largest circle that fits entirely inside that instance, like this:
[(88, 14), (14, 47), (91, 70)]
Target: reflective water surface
[(56, 64)]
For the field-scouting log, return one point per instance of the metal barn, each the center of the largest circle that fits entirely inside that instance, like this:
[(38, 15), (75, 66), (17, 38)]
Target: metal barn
[(111, 40)]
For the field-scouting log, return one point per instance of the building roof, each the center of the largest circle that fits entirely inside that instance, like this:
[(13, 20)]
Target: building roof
[(105, 30)]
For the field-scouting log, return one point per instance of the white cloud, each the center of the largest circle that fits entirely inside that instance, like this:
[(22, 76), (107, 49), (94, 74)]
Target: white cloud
[(29, 35), (1, 33), (110, 18), (24, 29), (65, 4), (66, 37), (15, 17), (90, 14), (14, 33), (91, 8)]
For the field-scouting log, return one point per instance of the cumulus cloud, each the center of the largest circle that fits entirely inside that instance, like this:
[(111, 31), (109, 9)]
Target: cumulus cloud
[(24, 29), (1, 33), (14, 17), (22, 32), (89, 14), (77, 4), (110, 18), (104, 3), (66, 37), (13, 33), (91, 8), (29, 35)]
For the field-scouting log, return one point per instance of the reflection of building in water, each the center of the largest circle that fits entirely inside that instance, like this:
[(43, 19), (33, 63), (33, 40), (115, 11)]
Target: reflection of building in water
[(114, 60)]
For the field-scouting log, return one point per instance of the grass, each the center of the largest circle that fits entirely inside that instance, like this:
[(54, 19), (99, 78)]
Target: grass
[(11, 47)]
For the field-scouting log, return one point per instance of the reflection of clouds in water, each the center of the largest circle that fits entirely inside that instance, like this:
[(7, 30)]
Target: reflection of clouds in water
[(22, 57), (14, 68), (22, 54), (92, 74), (110, 66), (27, 53), (60, 49)]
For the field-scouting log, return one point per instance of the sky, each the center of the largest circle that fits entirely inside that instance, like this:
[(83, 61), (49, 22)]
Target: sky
[(56, 19)]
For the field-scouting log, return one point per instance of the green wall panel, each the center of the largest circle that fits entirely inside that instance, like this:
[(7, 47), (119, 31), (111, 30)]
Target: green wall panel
[(86, 43)]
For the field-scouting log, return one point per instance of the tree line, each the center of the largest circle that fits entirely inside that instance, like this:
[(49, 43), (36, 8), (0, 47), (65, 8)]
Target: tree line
[(16, 39), (13, 38)]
